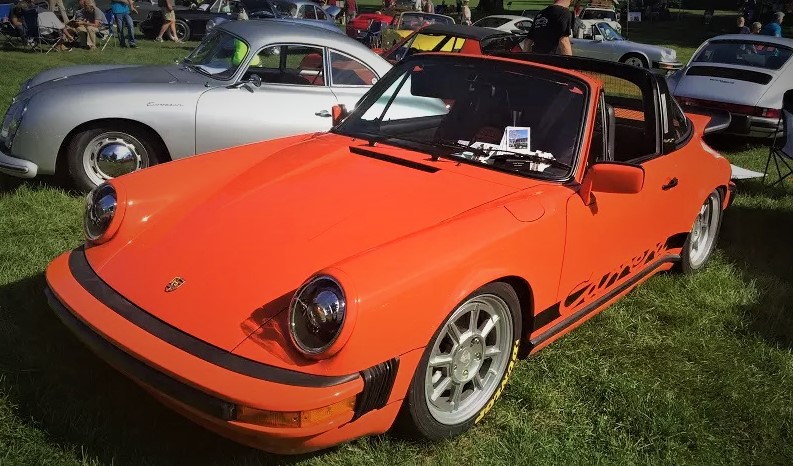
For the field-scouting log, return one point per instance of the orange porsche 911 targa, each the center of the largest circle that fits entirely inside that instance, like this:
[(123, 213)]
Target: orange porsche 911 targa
[(301, 292)]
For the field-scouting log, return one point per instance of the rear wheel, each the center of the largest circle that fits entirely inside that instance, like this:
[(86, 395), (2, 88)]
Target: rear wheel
[(704, 234), (465, 366), (182, 30)]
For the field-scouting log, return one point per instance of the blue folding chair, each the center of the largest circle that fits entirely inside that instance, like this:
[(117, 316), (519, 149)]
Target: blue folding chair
[(781, 151), (7, 30), (371, 37)]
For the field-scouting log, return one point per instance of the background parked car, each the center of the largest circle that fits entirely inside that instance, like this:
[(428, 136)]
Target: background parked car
[(108, 120), (595, 15), (306, 9), (358, 25), (744, 74), (405, 23), (509, 23), (607, 44)]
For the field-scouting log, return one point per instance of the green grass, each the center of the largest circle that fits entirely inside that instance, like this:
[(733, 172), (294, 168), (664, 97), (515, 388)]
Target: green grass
[(684, 370)]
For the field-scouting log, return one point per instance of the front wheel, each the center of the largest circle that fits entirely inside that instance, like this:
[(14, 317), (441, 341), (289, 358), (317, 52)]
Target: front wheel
[(182, 30), (703, 236), (466, 365), (98, 154), (635, 60)]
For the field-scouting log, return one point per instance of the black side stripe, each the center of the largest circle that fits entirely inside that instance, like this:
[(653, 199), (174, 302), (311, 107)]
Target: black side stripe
[(85, 275), (594, 305)]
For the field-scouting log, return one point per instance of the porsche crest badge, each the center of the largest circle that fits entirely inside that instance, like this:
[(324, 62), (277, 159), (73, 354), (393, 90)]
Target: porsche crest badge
[(174, 284)]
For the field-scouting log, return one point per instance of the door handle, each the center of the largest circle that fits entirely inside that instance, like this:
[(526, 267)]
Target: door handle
[(323, 113), (672, 183)]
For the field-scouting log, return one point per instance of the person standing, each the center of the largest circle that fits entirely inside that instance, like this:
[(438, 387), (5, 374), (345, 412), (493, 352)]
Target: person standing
[(466, 13), (123, 20), (352, 9), (169, 20), (741, 26), (551, 30), (774, 28), (61, 9)]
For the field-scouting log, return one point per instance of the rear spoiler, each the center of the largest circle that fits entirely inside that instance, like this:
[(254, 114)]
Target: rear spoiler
[(719, 119)]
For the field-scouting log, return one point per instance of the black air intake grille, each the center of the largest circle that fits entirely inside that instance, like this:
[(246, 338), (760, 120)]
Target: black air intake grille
[(730, 73), (377, 384)]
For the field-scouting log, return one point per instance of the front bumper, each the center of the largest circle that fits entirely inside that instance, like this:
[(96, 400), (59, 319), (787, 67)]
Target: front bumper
[(207, 384), (17, 167)]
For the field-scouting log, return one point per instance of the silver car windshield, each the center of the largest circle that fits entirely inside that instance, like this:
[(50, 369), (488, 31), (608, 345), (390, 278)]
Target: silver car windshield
[(218, 55), (747, 53), (511, 118), (608, 32)]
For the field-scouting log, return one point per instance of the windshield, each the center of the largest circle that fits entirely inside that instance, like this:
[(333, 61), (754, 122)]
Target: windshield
[(218, 55), (599, 14), (747, 53), (414, 21), (491, 22), (503, 116), (608, 32)]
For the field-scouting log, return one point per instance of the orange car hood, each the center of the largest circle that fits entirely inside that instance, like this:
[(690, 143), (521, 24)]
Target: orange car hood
[(244, 248)]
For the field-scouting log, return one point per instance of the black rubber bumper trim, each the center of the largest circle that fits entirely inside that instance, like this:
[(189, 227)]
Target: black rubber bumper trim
[(138, 370), (88, 279)]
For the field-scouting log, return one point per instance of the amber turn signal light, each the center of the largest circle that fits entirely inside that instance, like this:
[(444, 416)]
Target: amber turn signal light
[(294, 418)]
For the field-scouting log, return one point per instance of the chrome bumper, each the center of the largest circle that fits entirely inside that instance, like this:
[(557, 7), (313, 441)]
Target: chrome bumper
[(17, 167)]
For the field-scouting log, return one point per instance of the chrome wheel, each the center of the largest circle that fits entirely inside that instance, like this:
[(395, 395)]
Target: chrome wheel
[(703, 233), (112, 154), (468, 359), (634, 61)]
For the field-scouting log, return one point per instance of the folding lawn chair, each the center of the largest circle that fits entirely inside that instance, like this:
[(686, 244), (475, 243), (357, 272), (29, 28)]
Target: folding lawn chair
[(781, 151), (105, 33), (51, 30), (9, 32)]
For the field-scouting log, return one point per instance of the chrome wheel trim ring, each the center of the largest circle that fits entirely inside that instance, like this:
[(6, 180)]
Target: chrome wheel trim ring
[(468, 359), (112, 154), (703, 233)]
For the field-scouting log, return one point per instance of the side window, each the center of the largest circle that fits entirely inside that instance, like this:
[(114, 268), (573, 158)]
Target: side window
[(308, 12), (347, 71), (320, 13), (289, 64), (678, 128), (597, 148)]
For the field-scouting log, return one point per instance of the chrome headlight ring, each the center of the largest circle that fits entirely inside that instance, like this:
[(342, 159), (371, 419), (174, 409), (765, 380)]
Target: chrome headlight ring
[(100, 210), (317, 315), (12, 121)]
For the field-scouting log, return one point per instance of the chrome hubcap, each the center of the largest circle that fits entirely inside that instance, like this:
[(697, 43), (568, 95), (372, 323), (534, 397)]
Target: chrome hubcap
[(634, 61), (468, 359), (110, 155), (702, 233)]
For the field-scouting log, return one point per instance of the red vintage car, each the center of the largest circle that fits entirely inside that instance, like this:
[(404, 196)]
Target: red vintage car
[(301, 292), (357, 26)]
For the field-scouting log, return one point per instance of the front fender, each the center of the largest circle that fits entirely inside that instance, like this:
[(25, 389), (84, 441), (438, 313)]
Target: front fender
[(54, 114)]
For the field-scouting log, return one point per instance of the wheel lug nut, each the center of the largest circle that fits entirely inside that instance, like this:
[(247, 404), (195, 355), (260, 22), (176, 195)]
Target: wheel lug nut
[(478, 356), (454, 367), (465, 373)]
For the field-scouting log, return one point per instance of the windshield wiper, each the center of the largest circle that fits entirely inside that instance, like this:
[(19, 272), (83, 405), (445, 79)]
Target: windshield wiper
[(500, 153)]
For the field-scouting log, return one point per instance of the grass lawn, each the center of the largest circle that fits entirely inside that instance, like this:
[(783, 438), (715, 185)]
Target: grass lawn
[(685, 370)]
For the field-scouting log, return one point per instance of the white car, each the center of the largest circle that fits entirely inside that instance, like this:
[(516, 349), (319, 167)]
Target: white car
[(595, 15), (607, 44), (745, 74), (509, 23)]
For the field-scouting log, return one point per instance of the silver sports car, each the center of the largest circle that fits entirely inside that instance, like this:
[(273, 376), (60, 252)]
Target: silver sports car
[(246, 81), (744, 74), (602, 42)]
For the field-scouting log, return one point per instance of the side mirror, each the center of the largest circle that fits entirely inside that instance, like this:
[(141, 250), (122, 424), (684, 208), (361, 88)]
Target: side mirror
[(611, 177), (597, 38), (256, 80), (338, 112)]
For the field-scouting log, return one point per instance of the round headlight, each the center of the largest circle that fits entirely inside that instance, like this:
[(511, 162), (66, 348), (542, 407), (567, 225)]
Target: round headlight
[(316, 315), (210, 24), (100, 208)]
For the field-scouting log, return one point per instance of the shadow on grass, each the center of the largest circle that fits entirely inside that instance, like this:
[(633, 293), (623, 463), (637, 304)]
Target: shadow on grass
[(760, 242), (9, 184), (61, 388)]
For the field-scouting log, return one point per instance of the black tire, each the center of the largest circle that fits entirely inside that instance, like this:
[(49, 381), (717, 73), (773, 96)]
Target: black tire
[(182, 30), (633, 56), (415, 419), (691, 262), (82, 177)]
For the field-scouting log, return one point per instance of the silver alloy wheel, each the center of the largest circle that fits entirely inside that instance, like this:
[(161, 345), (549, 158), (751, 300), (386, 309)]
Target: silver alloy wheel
[(703, 233), (634, 61), (181, 31), (112, 154), (468, 359)]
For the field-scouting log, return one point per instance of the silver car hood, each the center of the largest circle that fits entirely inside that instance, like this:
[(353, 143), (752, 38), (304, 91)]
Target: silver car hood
[(729, 90), (113, 74)]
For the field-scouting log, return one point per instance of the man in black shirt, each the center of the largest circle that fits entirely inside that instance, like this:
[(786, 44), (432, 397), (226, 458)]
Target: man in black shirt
[(552, 28)]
